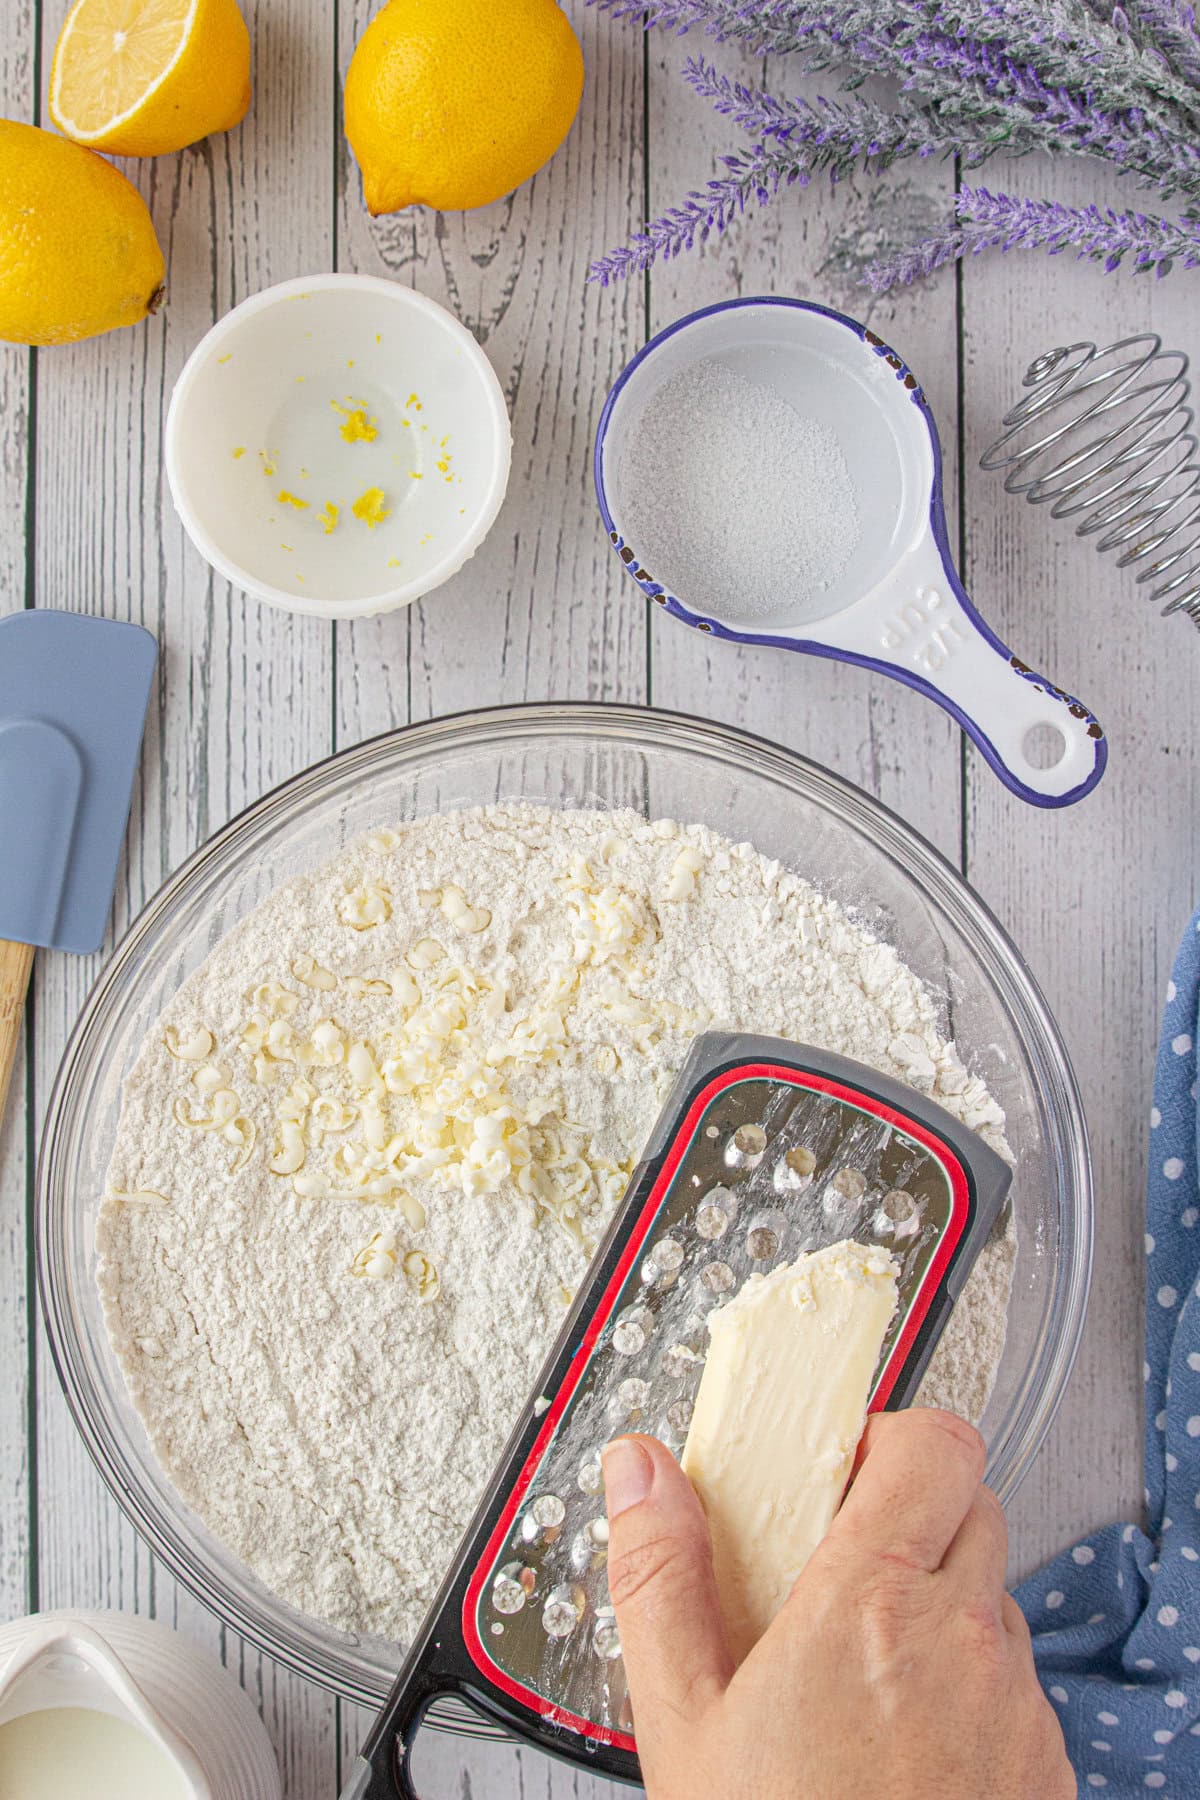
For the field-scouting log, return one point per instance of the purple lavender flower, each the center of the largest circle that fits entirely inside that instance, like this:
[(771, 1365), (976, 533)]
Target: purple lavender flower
[(757, 175), (1067, 43), (1170, 27), (1051, 121), (972, 81), (835, 134), (1085, 77), (998, 221)]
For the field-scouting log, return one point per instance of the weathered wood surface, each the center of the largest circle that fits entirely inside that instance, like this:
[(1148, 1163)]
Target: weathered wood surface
[(243, 699), (17, 1576), (1096, 897)]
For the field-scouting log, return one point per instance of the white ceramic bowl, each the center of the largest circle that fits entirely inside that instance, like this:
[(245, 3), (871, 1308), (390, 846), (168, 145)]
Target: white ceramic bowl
[(326, 393)]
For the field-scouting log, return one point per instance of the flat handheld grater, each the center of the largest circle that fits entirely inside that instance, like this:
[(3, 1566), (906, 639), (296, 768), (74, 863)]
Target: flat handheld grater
[(764, 1149)]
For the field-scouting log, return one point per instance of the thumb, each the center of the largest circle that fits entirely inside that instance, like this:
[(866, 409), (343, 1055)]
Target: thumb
[(660, 1577)]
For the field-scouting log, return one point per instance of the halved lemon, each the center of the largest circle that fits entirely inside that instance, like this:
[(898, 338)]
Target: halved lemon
[(143, 77)]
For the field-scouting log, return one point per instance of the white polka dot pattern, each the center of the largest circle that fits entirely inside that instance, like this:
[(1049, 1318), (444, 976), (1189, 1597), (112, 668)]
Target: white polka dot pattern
[(1116, 1618)]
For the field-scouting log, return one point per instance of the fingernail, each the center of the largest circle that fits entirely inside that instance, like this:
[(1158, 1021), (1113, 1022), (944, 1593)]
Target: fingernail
[(628, 1475)]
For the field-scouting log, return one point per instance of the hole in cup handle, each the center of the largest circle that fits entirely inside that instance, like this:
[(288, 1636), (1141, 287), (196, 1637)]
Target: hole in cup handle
[(1046, 745), (1042, 742)]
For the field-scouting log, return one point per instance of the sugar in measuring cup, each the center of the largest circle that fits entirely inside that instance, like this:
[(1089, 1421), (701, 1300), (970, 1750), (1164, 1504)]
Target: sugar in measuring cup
[(880, 588)]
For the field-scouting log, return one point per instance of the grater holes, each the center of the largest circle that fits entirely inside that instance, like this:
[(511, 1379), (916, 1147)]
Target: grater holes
[(630, 1397), (746, 1148), (679, 1416), (715, 1213), (794, 1171), (631, 1333), (680, 1360), (589, 1547), (661, 1268), (813, 1146), (765, 1236), (590, 1479), (515, 1584), (606, 1639), (717, 1278), (898, 1215), (563, 1609)]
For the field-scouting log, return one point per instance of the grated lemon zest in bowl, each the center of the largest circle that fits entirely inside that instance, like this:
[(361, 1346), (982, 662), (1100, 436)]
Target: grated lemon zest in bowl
[(356, 426), (369, 507)]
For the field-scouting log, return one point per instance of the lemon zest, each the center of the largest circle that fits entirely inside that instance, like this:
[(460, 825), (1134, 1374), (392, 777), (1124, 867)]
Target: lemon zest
[(370, 509), (329, 515), (356, 427), (286, 499)]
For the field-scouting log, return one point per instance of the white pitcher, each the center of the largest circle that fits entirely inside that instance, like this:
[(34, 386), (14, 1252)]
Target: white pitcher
[(127, 1709)]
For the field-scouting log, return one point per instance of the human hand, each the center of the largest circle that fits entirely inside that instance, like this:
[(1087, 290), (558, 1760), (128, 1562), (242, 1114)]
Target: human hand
[(898, 1669)]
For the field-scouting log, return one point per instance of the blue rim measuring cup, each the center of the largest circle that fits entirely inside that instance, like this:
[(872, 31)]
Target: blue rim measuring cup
[(899, 605)]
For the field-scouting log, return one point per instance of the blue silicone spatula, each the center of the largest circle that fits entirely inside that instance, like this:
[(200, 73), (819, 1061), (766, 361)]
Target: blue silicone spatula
[(73, 697)]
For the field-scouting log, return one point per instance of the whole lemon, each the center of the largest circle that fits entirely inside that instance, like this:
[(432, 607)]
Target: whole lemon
[(78, 254), (454, 103)]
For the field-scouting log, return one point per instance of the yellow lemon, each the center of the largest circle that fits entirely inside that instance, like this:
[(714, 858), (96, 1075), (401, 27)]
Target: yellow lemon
[(142, 77), (453, 103), (78, 254)]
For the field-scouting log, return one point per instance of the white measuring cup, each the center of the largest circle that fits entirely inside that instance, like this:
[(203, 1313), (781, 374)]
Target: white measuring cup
[(898, 606)]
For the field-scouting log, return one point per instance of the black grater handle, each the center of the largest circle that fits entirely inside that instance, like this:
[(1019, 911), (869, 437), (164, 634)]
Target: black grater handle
[(382, 1769)]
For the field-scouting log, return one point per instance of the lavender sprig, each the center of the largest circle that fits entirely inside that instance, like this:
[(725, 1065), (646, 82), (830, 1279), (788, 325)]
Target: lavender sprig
[(976, 85), (973, 81), (998, 221), (1119, 82), (838, 135), (1170, 27), (867, 132), (1065, 42), (723, 20), (754, 175)]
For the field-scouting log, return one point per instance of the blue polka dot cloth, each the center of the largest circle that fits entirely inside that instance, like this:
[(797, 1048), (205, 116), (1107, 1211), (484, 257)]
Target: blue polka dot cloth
[(1116, 1620)]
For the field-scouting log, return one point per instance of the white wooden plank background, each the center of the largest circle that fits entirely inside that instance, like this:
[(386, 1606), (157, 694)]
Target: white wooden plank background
[(1096, 897)]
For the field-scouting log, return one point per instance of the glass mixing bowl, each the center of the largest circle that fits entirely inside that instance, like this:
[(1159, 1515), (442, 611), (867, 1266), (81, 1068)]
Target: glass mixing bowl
[(570, 755)]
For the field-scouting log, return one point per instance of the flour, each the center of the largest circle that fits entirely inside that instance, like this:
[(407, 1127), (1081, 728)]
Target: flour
[(365, 1156)]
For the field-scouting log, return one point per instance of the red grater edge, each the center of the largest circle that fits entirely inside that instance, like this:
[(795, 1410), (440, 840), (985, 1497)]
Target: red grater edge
[(947, 1244)]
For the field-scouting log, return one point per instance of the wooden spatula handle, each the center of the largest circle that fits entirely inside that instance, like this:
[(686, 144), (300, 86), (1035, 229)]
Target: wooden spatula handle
[(16, 964)]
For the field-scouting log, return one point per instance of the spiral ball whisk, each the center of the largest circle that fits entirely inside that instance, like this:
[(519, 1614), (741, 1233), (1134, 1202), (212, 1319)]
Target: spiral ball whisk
[(1106, 437)]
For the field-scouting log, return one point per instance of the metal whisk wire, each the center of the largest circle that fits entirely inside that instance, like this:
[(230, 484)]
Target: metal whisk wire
[(1118, 453)]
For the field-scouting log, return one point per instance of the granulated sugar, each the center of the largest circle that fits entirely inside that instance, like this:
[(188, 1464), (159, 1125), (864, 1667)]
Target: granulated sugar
[(365, 1156), (738, 504)]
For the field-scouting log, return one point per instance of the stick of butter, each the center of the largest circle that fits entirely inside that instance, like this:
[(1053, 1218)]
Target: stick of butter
[(781, 1407)]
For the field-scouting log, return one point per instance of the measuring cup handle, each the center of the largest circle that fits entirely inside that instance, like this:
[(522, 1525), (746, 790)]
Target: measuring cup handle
[(923, 628)]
